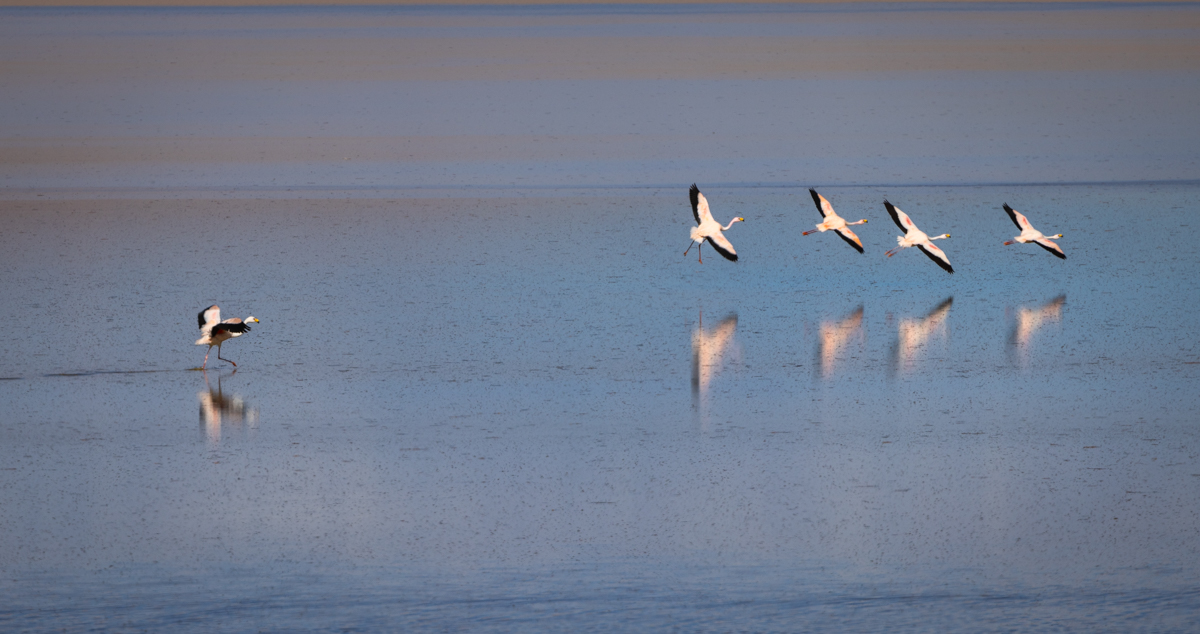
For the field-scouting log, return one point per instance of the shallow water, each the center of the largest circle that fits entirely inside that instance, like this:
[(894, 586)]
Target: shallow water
[(1016, 441), (470, 405)]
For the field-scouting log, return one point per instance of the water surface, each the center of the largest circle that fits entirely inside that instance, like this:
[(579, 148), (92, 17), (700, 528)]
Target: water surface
[(488, 390)]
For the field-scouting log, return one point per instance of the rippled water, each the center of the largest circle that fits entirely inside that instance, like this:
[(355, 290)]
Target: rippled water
[(511, 408), (539, 425)]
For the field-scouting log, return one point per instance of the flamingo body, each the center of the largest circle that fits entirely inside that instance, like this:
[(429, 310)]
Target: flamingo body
[(707, 229), (834, 222), (214, 332), (914, 237), (1029, 234)]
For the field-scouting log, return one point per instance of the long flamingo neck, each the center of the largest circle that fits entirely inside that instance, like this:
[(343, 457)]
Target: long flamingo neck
[(726, 227)]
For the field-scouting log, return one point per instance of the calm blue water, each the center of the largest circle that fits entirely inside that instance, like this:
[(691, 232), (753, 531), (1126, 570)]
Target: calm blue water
[(479, 404)]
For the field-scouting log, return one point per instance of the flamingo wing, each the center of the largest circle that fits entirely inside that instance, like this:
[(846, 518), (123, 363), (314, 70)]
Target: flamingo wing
[(823, 205), (846, 234), (1018, 218), (1046, 244), (899, 217), (937, 255), (234, 326), (699, 205), (722, 246), (209, 315)]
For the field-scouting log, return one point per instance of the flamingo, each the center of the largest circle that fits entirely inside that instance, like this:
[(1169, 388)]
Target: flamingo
[(1029, 234), (214, 332), (708, 229), (834, 222), (914, 237)]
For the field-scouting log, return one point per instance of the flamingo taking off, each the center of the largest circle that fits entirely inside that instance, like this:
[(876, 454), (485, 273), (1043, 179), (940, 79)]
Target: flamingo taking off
[(214, 332), (708, 229), (914, 237), (1029, 234), (834, 222)]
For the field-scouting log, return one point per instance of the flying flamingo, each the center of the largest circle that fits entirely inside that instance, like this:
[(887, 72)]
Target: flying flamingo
[(1029, 234), (834, 222), (914, 237), (708, 229)]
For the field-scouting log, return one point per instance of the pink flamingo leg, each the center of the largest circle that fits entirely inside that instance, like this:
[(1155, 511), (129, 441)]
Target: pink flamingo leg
[(223, 358)]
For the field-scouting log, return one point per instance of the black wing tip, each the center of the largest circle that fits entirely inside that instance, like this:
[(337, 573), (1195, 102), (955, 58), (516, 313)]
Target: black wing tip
[(200, 315), (1061, 256), (732, 257), (694, 195), (849, 242), (1012, 215), (891, 209), (223, 327), (936, 260)]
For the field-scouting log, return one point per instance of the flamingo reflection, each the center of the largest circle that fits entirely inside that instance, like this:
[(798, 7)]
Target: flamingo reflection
[(1029, 321), (914, 333), (218, 411), (708, 354), (834, 336)]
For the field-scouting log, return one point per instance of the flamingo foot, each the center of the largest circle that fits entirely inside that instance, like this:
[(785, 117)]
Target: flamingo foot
[(223, 358)]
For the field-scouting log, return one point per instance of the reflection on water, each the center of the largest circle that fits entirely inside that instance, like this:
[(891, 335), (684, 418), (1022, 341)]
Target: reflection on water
[(708, 355), (1028, 322), (913, 334), (218, 412), (833, 337)]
